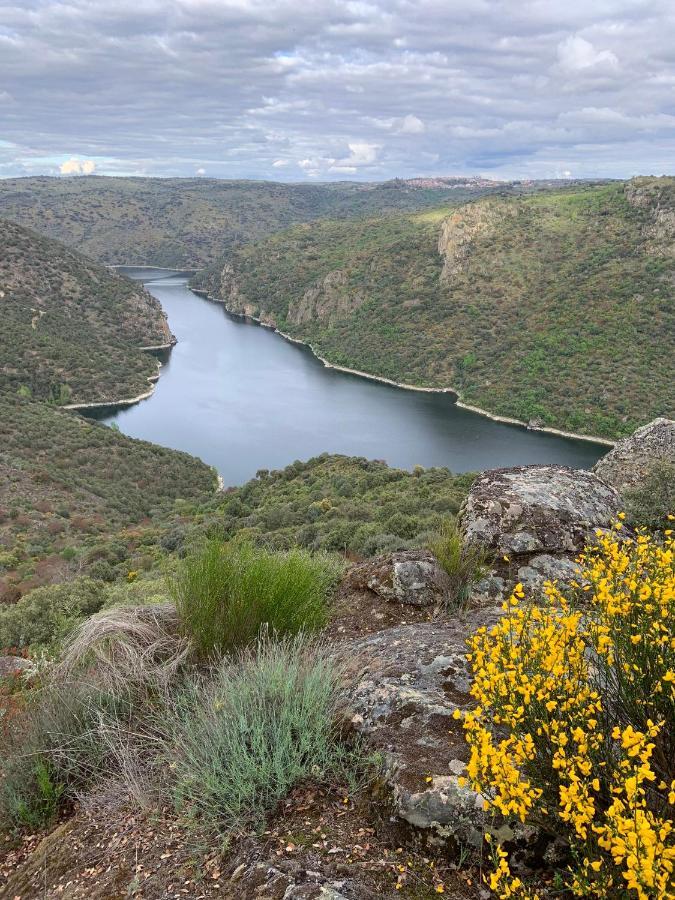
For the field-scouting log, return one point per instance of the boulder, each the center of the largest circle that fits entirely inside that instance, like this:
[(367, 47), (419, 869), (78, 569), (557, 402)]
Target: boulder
[(13, 665), (627, 464), (542, 509), (412, 678), (414, 577)]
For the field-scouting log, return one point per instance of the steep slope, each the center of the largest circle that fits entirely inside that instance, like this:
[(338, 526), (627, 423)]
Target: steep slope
[(67, 484), (556, 307), (71, 329), (190, 222)]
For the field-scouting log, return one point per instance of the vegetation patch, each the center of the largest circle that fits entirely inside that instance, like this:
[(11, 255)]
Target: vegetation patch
[(228, 594), (264, 721), (574, 731)]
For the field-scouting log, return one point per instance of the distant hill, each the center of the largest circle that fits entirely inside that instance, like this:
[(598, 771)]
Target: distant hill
[(72, 329), (555, 307), (190, 222)]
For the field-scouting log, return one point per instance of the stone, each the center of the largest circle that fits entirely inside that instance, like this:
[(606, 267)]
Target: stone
[(413, 577), (411, 680), (544, 567), (629, 462), (541, 509), (12, 665)]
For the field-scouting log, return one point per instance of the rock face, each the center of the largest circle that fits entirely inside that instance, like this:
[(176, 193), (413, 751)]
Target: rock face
[(412, 679), (407, 576), (328, 300), (629, 461), (462, 228), (537, 509)]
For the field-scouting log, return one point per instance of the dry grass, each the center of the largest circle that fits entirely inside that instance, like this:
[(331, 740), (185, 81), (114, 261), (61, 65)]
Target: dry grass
[(138, 645)]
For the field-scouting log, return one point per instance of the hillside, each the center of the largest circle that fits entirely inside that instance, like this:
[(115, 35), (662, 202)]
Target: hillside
[(556, 307), (67, 483), (190, 222), (71, 329)]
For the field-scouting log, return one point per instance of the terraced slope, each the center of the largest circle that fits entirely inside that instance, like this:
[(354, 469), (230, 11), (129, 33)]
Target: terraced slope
[(556, 307), (71, 329)]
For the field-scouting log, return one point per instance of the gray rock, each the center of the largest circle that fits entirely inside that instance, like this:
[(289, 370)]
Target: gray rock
[(544, 567), (414, 577), (412, 679), (627, 464), (11, 665), (537, 509)]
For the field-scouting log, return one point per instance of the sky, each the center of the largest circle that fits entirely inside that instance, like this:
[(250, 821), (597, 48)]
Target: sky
[(324, 90)]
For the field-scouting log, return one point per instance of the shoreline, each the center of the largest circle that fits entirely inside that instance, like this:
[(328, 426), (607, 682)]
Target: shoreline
[(124, 402), (507, 420)]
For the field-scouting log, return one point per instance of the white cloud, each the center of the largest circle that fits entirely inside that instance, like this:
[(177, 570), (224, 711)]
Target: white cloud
[(361, 153), (412, 125), (74, 166), (200, 171), (576, 54), (280, 163)]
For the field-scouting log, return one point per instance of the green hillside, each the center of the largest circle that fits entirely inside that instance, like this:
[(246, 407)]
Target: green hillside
[(556, 307), (67, 484), (190, 222), (71, 329)]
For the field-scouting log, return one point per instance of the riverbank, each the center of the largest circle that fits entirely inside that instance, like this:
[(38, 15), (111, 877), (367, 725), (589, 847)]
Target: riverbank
[(125, 401), (593, 439)]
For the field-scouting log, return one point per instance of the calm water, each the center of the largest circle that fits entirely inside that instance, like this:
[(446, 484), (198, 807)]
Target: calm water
[(242, 398)]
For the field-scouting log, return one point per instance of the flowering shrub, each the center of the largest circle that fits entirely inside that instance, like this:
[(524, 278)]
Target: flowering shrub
[(574, 728)]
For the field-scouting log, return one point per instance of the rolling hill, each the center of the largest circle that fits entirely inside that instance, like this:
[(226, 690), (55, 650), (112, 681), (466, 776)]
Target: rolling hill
[(71, 329), (190, 222), (555, 307)]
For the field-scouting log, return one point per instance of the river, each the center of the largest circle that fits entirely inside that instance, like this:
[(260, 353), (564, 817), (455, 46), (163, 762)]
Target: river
[(242, 398)]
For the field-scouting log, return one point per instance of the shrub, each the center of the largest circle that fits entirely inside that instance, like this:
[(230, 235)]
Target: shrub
[(575, 724), (46, 614), (264, 721), (56, 747), (225, 593), (464, 563), (649, 503)]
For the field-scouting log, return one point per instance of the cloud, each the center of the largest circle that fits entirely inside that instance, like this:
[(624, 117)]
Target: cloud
[(576, 54), (363, 89), (74, 166), (200, 171), (412, 125)]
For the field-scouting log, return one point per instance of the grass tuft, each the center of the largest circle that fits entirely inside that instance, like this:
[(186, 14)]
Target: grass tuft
[(465, 563), (226, 594), (264, 721)]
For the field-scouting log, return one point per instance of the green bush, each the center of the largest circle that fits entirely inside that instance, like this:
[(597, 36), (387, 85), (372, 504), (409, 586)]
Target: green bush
[(649, 504), (266, 720), (465, 563), (45, 615), (226, 593)]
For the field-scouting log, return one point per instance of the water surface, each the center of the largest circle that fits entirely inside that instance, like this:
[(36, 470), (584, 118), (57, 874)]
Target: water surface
[(242, 398)]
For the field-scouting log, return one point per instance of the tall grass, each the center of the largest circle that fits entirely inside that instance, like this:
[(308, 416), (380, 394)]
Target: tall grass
[(465, 563), (264, 721), (226, 593), (55, 749)]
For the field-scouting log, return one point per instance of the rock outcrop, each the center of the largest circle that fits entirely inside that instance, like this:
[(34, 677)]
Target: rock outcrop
[(412, 679), (414, 577), (543, 509), (460, 230), (630, 461), (328, 300)]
